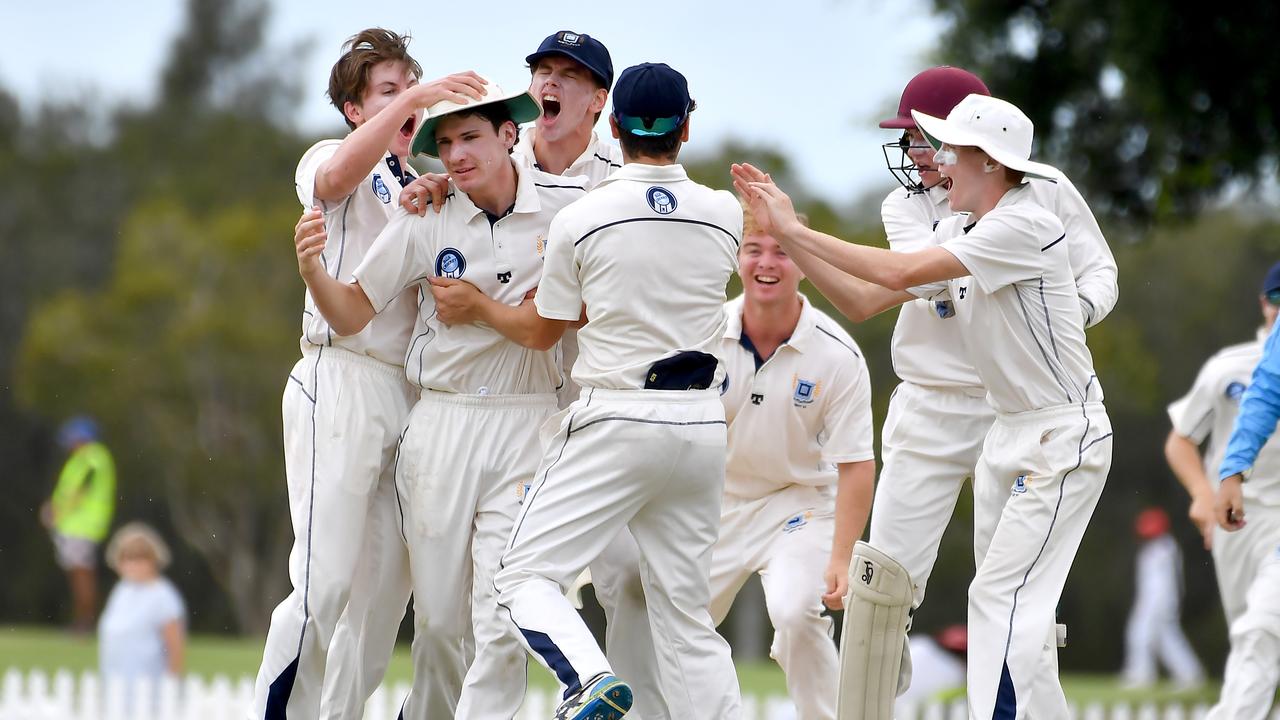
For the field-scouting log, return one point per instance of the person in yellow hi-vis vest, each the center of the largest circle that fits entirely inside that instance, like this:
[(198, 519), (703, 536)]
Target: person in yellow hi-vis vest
[(79, 514)]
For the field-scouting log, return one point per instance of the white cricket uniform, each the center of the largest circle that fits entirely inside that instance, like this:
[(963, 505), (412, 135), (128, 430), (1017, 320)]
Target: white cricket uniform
[(471, 444), (615, 574), (1154, 630), (1045, 460), (649, 252), (1205, 416), (1245, 561), (597, 162), (792, 419), (938, 416), (345, 403)]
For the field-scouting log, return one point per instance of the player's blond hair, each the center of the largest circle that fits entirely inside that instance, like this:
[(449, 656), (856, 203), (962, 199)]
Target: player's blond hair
[(360, 54), (751, 227)]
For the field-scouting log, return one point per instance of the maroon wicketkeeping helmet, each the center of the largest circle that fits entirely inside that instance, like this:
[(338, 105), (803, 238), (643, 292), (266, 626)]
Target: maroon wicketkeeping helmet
[(933, 92)]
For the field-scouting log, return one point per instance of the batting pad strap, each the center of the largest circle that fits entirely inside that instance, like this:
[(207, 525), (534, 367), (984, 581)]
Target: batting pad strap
[(875, 627)]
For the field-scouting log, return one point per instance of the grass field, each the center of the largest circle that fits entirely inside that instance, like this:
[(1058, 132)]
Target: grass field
[(28, 648)]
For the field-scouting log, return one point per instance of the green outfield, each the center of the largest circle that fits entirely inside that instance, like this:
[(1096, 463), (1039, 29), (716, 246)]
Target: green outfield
[(26, 647)]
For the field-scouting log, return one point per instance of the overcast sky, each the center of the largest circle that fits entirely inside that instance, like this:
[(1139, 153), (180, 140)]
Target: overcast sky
[(812, 76)]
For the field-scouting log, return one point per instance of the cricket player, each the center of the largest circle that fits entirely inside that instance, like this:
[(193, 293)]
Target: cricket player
[(1253, 666), (938, 415), (801, 466), (1153, 633), (648, 252), (471, 444), (1010, 284), (571, 74), (346, 401), (1204, 416)]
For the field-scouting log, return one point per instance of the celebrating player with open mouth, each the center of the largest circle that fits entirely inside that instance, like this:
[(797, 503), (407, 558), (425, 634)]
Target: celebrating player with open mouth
[(1005, 272)]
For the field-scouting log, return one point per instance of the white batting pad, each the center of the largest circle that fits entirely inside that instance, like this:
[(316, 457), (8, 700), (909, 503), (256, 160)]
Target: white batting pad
[(875, 627)]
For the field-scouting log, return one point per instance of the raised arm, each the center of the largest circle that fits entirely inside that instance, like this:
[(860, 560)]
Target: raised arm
[(892, 270), (344, 306), (364, 147), (1091, 258)]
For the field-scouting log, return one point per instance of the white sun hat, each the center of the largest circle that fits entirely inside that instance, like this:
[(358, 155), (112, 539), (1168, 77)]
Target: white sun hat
[(995, 126), (523, 107)]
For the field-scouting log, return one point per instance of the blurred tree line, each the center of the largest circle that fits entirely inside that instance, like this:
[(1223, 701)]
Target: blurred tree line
[(151, 282)]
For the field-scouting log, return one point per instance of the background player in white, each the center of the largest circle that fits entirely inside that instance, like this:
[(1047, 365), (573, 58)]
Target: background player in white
[(1044, 461), (1154, 630), (1253, 666), (649, 253), (345, 401), (471, 443), (800, 471)]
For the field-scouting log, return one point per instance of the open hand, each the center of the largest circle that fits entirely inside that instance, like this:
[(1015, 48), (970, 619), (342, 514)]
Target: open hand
[(771, 208), (458, 87)]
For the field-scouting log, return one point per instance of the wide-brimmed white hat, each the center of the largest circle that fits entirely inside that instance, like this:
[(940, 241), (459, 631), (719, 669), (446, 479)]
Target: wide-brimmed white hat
[(523, 107), (995, 126)]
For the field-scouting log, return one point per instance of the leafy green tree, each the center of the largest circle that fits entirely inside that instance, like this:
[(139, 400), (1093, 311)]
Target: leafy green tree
[(187, 349), (1153, 108)]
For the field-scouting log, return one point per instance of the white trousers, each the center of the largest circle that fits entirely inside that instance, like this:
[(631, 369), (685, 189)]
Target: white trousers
[(343, 413), (1036, 488), (366, 633), (786, 538), (628, 644), (930, 445), (1238, 556), (463, 466), (1253, 666), (652, 461), (1154, 635)]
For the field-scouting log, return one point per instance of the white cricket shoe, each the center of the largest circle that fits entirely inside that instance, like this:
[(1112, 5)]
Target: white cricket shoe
[(603, 697)]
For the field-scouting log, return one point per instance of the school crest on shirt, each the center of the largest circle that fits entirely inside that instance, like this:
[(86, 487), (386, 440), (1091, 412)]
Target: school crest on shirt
[(450, 263), (1020, 485), (1234, 390), (661, 200), (804, 392), (380, 189)]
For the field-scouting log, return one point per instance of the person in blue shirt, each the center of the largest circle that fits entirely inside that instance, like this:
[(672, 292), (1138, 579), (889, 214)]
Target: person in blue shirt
[(1253, 667)]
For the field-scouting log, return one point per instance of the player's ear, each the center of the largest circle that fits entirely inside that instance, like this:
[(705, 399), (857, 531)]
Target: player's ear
[(599, 100), (613, 127), (508, 134), (354, 113), (684, 131)]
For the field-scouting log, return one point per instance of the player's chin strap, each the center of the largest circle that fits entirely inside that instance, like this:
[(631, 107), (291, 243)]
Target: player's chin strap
[(876, 619)]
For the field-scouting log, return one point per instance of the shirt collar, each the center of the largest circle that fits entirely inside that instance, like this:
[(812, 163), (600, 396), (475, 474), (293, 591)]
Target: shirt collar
[(525, 148), (641, 172), (527, 200), (800, 338)]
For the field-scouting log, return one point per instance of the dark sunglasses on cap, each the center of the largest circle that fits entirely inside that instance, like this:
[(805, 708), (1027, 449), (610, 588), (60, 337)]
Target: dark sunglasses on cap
[(1273, 297)]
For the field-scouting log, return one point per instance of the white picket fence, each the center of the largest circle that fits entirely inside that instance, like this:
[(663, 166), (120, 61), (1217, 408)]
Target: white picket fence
[(35, 695)]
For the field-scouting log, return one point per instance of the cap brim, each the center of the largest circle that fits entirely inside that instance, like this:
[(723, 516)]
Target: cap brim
[(898, 123), (938, 131), (522, 106)]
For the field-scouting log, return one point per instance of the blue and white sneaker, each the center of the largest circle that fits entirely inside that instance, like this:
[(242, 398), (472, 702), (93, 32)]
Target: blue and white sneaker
[(603, 697)]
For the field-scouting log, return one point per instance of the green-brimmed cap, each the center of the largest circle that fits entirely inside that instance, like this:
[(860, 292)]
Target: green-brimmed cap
[(522, 106)]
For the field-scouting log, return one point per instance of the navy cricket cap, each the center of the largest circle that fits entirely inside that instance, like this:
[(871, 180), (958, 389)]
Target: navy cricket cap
[(651, 99), (585, 49), (1272, 281)]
